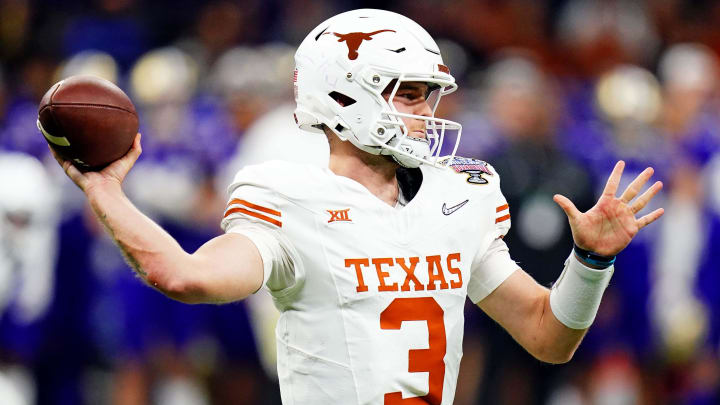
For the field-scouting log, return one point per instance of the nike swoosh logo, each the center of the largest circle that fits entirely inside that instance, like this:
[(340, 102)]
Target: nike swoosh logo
[(448, 211)]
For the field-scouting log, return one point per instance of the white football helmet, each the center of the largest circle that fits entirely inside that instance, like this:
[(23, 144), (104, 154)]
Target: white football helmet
[(344, 65)]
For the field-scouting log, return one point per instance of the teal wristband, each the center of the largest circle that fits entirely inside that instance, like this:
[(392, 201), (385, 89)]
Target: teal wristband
[(593, 258)]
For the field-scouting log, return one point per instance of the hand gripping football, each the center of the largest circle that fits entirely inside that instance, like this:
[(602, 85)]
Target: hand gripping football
[(88, 120)]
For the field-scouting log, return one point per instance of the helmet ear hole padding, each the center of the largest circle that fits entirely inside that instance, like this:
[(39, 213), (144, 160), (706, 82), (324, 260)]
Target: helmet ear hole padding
[(342, 99)]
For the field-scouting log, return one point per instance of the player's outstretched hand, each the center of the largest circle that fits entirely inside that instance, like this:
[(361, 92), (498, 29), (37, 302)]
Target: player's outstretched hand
[(609, 226), (115, 172)]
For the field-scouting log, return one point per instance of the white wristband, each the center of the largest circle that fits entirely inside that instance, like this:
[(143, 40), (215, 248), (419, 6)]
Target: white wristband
[(575, 297)]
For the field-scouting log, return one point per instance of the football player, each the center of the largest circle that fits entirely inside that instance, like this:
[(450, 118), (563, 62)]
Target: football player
[(370, 259)]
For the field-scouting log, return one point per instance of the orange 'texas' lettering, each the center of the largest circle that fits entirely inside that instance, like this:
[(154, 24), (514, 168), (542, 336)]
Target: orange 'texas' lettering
[(410, 273), (388, 269), (435, 273), (361, 287), (454, 270), (378, 262)]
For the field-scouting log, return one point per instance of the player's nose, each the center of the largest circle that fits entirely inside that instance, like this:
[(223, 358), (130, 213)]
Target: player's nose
[(423, 109)]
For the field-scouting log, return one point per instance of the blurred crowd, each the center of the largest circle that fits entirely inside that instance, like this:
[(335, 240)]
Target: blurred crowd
[(552, 93)]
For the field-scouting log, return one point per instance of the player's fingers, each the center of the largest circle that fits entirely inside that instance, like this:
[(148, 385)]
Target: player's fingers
[(56, 156), (634, 188), (70, 170), (120, 168), (614, 180), (65, 164), (136, 148), (75, 175), (648, 195), (650, 218), (134, 153), (570, 210)]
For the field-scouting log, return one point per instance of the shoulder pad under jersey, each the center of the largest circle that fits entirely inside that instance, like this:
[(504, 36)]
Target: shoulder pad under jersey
[(284, 178)]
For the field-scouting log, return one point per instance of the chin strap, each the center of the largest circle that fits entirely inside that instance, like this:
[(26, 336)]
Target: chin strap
[(410, 150)]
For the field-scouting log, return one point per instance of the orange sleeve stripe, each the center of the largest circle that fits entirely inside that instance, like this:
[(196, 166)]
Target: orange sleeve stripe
[(253, 214), (502, 218), (501, 208), (255, 207)]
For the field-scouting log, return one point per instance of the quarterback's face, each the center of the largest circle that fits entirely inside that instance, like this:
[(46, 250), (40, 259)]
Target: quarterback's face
[(411, 98)]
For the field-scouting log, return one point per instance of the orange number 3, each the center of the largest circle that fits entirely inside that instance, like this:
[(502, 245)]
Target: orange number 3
[(420, 360)]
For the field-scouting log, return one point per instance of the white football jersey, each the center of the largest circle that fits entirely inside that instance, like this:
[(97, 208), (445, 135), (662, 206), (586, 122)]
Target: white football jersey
[(372, 296)]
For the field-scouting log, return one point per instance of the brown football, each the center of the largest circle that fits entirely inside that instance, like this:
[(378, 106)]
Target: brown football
[(87, 120)]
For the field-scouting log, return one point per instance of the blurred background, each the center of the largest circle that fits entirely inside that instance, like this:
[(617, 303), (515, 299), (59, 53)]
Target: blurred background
[(552, 93)]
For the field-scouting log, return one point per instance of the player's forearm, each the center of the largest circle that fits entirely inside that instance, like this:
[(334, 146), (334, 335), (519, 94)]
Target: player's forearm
[(152, 253), (535, 328), (557, 343), (570, 308), (530, 320)]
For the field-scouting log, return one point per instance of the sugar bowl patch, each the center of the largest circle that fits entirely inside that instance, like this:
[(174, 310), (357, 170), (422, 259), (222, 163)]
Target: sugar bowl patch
[(474, 168)]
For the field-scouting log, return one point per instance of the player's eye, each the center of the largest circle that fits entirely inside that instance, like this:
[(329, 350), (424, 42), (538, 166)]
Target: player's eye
[(411, 94)]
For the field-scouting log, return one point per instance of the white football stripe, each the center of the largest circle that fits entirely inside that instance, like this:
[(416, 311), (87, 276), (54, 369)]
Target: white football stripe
[(57, 140)]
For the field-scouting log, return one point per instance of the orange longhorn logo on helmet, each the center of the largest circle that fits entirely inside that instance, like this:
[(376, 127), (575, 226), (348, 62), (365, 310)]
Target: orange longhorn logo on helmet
[(354, 39)]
